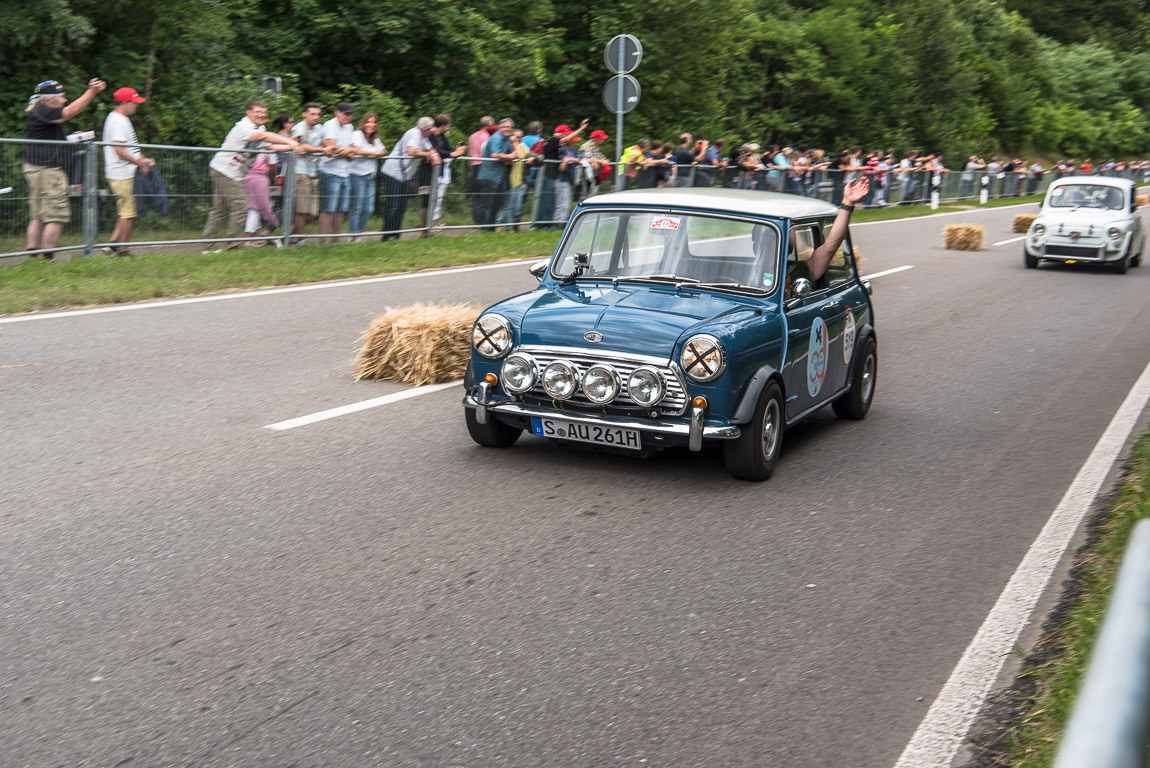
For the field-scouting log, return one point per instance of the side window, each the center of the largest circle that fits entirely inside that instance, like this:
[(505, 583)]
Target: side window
[(839, 270), (803, 242)]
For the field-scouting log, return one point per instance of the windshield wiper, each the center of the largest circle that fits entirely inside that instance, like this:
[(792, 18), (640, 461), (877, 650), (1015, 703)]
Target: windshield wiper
[(659, 278)]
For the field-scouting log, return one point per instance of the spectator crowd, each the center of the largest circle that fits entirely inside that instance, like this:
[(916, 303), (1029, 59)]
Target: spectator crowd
[(342, 163)]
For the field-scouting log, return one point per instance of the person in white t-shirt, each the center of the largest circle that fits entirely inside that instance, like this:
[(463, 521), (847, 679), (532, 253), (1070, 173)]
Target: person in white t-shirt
[(121, 165), (230, 165), (364, 167), (334, 185)]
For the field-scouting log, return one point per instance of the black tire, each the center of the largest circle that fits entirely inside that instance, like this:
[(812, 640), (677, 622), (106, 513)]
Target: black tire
[(1031, 262), (864, 375), (493, 434), (1121, 265), (754, 453), (1137, 258)]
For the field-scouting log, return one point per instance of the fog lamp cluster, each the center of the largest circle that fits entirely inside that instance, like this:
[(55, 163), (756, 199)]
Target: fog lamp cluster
[(600, 383)]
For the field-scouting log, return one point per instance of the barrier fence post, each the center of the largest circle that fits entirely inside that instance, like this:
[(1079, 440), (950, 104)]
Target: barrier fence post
[(288, 200), (432, 188), (89, 199)]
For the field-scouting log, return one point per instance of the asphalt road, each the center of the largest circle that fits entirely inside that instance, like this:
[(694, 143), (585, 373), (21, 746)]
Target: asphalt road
[(181, 587)]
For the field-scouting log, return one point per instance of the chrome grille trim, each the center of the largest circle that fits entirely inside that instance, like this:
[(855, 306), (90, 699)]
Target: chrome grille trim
[(673, 403)]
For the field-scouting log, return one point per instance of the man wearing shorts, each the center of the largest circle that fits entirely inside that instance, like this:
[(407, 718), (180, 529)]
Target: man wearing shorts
[(334, 184), (121, 164), (309, 134), (44, 163), (230, 165)]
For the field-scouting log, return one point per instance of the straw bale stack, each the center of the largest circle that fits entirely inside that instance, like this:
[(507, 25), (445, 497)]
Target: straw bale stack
[(1022, 222), (1143, 199), (418, 344), (963, 237)]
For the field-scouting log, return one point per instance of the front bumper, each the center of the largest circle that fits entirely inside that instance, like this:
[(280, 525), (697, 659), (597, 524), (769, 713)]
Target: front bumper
[(663, 432), (1083, 249)]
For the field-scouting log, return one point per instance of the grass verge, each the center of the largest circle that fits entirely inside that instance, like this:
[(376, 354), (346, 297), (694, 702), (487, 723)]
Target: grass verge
[(33, 286), (36, 286), (1053, 671)]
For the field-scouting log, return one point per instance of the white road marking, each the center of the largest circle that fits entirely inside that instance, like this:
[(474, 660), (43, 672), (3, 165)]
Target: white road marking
[(949, 718), (343, 410), (261, 292), (1008, 242), (886, 272), (363, 405)]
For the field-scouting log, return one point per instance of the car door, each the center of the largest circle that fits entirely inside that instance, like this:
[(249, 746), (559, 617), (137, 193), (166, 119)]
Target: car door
[(847, 310), (811, 371)]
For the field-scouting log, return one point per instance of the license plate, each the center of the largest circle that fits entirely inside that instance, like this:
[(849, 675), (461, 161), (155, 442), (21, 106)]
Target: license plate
[(615, 437)]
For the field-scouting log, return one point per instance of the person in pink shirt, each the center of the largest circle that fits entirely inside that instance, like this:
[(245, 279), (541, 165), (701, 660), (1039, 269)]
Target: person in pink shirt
[(475, 144)]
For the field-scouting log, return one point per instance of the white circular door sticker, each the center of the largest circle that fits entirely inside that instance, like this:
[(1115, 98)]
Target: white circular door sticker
[(849, 337), (817, 357)]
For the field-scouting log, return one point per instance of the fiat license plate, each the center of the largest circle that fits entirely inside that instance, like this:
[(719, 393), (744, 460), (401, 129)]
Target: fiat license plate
[(614, 437)]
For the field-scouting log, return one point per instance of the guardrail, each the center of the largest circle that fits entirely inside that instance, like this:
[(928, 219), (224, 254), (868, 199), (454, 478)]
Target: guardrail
[(444, 197), (1110, 724)]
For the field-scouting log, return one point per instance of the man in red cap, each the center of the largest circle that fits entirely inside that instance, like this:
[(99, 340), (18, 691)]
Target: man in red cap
[(595, 166), (558, 171), (44, 163), (121, 164)]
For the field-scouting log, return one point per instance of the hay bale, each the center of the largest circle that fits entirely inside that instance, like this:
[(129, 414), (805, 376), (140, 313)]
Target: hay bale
[(1022, 222), (963, 237), (418, 344), (1143, 199)]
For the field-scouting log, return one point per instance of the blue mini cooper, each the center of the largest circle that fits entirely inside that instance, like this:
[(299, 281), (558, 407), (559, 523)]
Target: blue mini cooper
[(678, 317)]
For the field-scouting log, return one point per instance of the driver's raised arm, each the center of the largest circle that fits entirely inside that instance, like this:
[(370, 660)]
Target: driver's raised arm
[(821, 259)]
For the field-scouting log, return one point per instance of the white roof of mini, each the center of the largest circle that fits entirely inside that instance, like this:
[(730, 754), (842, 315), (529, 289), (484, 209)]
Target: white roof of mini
[(1105, 181), (739, 201)]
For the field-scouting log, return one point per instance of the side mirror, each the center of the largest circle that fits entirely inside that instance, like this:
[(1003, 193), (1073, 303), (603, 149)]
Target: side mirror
[(869, 287), (801, 289), (539, 268)]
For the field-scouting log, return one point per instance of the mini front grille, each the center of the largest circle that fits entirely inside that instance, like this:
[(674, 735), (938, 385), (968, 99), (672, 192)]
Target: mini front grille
[(674, 402), (1072, 251)]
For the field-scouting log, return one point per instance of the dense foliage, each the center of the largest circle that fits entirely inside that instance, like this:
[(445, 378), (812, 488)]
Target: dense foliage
[(1058, 77)]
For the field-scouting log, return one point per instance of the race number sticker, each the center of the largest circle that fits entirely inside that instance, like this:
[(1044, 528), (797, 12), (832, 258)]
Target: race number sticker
[(848, 337), (817, 357), (665, 224)]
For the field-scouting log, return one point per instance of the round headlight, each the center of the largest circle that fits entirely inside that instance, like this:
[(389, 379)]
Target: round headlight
[(519, 374), (1039, 230), (703, 358), (646, 386), (1114, 232), (601, 384), (560, 379), (491, 336)]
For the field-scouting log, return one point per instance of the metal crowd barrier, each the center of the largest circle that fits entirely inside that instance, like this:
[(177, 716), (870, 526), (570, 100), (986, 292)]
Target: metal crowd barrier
[(1110, 724), (450, 196)]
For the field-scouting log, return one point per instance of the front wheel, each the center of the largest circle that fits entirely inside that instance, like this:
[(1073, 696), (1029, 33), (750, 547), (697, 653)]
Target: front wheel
[(856, 402), (1031, 262), (753, 454), (1120, 266), (493, 434)]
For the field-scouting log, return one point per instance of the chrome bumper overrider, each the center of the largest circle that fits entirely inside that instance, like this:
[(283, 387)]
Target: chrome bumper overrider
[(695, 430)]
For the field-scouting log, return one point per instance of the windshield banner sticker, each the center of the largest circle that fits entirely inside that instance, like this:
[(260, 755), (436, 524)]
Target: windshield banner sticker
[(665, 223), (817, 357)]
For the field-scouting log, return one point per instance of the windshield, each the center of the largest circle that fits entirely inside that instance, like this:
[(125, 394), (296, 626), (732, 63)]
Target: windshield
[(1086, 196), (658, 246)]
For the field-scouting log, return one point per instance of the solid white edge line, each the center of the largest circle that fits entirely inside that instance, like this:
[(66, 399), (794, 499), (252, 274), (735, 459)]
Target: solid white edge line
[(410, 393), (1008, 242), (944, 729), (886, 272), (260, 292), (361, 406)]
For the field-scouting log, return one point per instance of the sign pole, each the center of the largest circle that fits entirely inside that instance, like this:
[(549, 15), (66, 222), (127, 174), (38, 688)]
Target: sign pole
[(619, 116)]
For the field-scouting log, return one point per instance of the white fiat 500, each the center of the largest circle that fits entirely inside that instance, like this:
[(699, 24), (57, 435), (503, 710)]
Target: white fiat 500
[(1091, 219)]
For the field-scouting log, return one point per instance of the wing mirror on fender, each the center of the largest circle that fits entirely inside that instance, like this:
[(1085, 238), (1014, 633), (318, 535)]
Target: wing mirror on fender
[(539, 268), (800, 289)]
